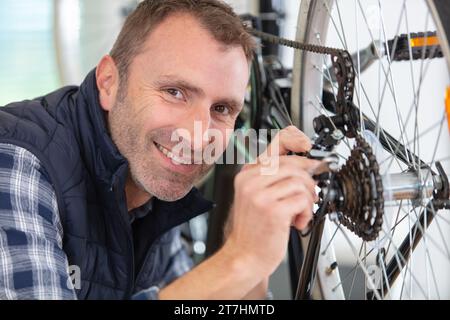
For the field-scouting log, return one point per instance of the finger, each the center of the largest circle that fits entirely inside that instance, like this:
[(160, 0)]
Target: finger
[(290, 139), (289, 168), (292, 206), (302, 220), (292, 186), (322, 168), (310, 165)]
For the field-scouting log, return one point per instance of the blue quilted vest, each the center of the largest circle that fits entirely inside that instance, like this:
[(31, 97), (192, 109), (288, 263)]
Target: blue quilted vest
[(66, 131)]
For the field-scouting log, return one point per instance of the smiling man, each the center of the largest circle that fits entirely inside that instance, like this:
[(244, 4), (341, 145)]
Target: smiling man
[(89, 177)]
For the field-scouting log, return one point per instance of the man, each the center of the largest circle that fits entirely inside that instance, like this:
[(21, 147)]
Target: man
[(88, 182)]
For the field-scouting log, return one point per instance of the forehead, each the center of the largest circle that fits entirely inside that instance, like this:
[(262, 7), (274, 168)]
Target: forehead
[(180, 44)]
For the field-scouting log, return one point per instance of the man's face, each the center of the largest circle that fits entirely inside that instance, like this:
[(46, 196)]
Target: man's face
[(181, 79)]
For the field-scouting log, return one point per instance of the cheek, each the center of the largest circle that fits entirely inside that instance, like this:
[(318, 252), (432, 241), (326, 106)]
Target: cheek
[(160, 114), (153, 116)]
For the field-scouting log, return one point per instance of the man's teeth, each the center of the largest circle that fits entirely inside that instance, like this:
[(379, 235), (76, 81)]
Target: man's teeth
[(170, 155)]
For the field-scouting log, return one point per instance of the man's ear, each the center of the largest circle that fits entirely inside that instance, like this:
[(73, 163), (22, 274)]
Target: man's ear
[(107, 77)]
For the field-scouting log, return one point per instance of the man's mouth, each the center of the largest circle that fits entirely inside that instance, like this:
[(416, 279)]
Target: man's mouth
[(176, 159)]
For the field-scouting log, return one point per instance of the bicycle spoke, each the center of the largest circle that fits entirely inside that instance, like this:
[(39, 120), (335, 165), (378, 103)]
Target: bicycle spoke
[(415, 99), (427, 253), (447, 250), (330, 241), (343, 43), (385, 276), (358, 64), (327, 77), (353, 270), (397, 146), (340, 23), (401, 260), (361, 264), (354, 274), (395, 225), (431, 128), (445, 254), (399, 118), (444, 159)]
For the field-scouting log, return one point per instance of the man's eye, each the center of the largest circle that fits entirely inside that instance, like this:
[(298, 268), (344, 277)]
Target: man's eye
[(175, 93), (222, 109)]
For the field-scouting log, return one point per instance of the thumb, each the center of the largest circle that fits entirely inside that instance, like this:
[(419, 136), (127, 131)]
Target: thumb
[(290, 139)]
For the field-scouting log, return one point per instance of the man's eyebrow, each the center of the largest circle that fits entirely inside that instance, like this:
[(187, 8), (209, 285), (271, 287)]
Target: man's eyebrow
[(237, 105), (168, 80)]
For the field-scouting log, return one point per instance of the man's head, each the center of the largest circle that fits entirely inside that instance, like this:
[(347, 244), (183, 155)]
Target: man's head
[(174, 64)]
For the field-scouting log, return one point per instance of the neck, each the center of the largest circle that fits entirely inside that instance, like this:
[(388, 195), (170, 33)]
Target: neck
[(136, 196)]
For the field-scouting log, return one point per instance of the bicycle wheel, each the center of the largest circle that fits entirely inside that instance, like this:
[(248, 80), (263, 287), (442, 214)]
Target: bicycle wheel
[(401, 58), (84, 31)]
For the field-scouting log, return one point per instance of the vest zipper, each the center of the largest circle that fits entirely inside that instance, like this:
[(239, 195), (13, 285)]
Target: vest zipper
[(129, 232)]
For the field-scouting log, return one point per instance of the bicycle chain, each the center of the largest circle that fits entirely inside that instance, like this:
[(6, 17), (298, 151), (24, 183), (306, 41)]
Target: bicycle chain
[(341, 59), (361, 211)]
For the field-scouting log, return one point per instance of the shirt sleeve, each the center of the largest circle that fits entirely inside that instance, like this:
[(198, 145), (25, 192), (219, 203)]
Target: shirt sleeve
[(33, 264), (180, 263)]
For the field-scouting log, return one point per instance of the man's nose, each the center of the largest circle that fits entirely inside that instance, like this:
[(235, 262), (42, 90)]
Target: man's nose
[(195, 129)]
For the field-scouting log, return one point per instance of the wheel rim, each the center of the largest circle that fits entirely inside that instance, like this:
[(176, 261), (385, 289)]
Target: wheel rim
[(84, 31)]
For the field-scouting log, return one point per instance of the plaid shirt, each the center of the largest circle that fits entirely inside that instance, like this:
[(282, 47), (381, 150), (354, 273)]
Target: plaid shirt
[(33, 264)]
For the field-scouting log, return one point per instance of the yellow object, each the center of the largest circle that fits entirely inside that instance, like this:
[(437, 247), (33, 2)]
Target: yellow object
[(424, 41), (447, 105)]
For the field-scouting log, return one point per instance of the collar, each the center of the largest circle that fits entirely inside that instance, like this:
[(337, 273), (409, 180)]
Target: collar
[(101, 154)]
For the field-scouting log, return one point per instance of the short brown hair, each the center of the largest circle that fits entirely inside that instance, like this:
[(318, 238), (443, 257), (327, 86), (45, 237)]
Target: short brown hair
[(215, 16)]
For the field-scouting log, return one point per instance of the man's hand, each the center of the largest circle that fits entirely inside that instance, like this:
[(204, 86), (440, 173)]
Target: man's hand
[(265, 206)]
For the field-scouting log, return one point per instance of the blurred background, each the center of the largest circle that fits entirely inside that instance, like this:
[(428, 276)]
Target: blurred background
[(48, 43)]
